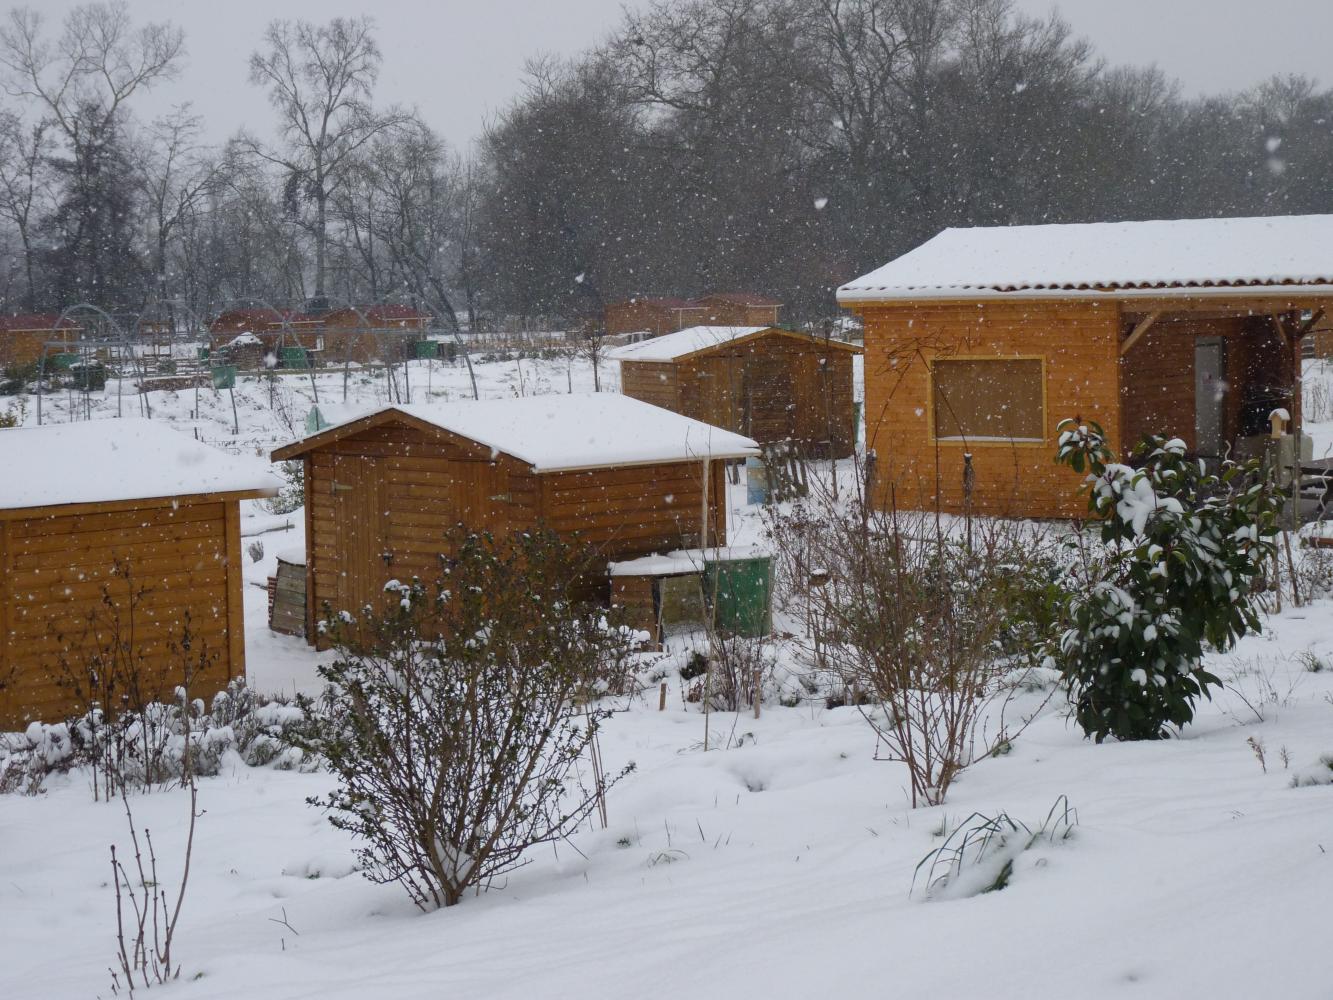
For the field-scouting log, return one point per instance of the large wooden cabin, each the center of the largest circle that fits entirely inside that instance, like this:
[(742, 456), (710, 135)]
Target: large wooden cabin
[(382, 490), (95, 512), (763, 382), (979, 342)]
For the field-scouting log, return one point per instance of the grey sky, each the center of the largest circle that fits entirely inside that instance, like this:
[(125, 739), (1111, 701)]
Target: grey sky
[(458, 61)]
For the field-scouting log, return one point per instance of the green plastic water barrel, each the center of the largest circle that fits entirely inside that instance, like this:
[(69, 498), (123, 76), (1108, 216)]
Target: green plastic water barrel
[(427, 349), (295, 357), (224, 376), (742, 592)]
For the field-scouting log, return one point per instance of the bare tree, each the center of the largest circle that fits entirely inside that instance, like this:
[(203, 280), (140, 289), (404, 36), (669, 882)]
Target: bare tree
[(175, 175), (319, 80), (96, 65), (23, 185)]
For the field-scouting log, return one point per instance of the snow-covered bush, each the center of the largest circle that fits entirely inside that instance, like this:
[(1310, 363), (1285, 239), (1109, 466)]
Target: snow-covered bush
[(1182, 551), (459, 716), (291, 495), (148, 748)]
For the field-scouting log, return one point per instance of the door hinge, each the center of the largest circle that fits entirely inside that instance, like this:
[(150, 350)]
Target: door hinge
[(342, 488)]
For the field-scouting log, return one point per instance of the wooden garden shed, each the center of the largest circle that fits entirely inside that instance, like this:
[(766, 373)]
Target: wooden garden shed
[(90, 501), (275, 328), (653, 316), (22, 336), (980, 341), (738, 309), (382, 332), (383, 489), (766, 383)]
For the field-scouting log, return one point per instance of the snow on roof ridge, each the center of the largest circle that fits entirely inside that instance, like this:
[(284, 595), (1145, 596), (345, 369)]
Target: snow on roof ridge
[(671, 346), (576, 431), (129, 458), (1241, 252)]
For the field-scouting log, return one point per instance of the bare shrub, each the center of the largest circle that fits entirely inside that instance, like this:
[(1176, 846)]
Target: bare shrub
[(925, 630), (458, 717)]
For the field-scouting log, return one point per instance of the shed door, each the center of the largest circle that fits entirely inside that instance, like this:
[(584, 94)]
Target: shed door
[(722, 386), (364, 564), (1210, 394)]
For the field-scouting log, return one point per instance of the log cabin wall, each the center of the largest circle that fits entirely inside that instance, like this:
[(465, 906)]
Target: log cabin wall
[(184, 561), (1078, 344)]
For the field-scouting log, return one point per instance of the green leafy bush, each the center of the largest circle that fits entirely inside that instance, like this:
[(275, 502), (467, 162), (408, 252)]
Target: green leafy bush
[(1182, 551)]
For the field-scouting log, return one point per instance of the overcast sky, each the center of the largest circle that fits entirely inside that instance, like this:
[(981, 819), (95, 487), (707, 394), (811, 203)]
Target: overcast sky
[(458, 61)]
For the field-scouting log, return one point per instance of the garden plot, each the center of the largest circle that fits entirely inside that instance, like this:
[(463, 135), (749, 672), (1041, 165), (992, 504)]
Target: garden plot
[(780, 866)]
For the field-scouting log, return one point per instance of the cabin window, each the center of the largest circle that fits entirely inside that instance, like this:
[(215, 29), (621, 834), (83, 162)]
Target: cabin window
[(988, 399)]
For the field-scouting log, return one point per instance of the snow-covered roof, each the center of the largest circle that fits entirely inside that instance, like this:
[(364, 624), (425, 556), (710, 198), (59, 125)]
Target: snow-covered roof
[(684, 561), (682, 342), (560, 432), (1208, 256), (105, 460)]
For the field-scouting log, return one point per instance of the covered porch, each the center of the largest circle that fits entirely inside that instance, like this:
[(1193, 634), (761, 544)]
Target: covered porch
[(1213, 370)]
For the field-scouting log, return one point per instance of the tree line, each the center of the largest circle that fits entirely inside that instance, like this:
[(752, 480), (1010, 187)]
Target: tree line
[(779, 146)]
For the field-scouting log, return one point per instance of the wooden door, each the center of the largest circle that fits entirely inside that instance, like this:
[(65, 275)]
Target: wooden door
[(364, 563), (723, 390), (1210, 396)]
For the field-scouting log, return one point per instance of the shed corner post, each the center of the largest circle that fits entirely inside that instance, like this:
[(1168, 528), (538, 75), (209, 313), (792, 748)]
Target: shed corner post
[(5, 640), (307, 491), (235, 595)]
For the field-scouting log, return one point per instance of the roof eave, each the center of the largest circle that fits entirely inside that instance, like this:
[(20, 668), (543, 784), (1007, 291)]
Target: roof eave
[(543, 470), (867, 296)]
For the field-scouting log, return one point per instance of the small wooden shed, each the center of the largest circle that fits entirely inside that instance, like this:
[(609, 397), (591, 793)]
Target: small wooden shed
[(84, 502), (652, 315), (22, 336), (382, 332), (763, 382), (738, 309), (980, 341), (383, 489), (275, 328)]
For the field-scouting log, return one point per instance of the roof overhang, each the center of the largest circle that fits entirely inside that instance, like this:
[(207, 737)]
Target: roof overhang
[(134, 503), (853, 297)]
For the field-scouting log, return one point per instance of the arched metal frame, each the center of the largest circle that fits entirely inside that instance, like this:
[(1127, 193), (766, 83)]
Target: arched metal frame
[(87, 350)]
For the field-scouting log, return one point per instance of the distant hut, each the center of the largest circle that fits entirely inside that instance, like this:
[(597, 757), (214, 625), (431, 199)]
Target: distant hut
[(23, 336), (249, 335), (383, 489), (768, 384), (95, 496), (384, 332), (980, 341), (738, 309), (652, 316)]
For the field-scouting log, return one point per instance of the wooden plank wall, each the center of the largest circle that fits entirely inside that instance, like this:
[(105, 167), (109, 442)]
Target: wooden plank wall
[(638, 510), (1079, 342), (54, 570), (651, 381), (771, 389), (425, 485)]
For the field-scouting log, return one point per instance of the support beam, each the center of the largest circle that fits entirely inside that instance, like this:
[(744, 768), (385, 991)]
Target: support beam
[(1135, 335)]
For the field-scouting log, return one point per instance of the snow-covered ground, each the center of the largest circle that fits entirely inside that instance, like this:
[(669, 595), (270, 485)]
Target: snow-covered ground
[(777, 865)]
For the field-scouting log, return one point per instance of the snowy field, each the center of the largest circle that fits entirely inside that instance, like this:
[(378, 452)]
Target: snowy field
[(777, 864)]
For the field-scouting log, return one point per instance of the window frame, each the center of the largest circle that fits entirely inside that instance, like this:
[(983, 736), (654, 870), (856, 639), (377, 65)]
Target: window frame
[(984, 440)]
